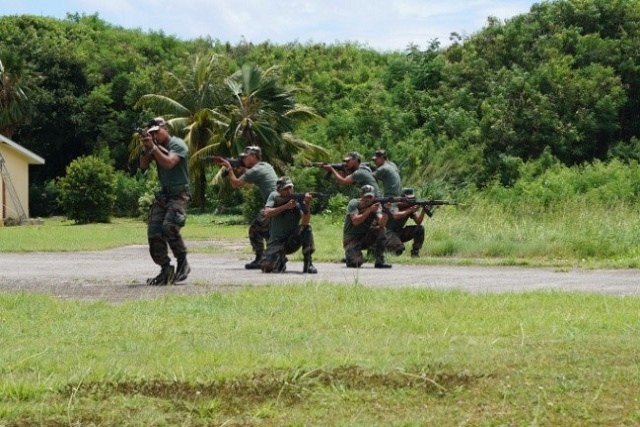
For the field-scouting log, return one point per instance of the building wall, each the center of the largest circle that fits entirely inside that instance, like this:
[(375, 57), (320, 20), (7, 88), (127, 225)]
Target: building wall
[(18, 167)]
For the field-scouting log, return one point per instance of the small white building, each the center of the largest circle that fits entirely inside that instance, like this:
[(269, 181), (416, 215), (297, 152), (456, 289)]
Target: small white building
[(14, 167)]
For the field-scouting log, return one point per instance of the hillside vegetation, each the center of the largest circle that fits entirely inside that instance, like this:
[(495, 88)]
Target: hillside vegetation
[(549, 93)]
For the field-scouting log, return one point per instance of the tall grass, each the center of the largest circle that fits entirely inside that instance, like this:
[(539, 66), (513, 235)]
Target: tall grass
[(576, 233)]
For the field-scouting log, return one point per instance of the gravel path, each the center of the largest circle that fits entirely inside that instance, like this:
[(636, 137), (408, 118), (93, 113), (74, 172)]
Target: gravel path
[(120, 274)]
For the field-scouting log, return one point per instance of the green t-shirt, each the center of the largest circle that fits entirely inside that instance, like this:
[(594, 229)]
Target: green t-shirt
[(179, 174), (264, 176), (363, 176), (281, 226), (396, 225), (390, 177), (350, 230)]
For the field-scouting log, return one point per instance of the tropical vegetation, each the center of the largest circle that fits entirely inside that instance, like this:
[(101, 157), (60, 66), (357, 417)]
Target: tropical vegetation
[(552, 88)]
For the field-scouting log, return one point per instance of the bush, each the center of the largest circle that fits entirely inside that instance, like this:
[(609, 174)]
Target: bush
[(87, 192), (43, 200), (129, 189)]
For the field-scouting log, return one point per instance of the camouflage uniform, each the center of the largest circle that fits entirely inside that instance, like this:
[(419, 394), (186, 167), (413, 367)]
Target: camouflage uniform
[(264, 177), (287, 234), (168, 214), (367, 235)]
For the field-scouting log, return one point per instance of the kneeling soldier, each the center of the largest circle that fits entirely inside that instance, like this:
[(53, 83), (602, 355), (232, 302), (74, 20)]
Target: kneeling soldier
[(364, 228), (289, 229), (398, 233)]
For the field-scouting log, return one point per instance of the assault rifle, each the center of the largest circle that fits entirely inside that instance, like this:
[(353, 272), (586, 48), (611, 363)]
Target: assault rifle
[(299, 198), (411, 201), (235, 163), (336, 166), (340, 167)]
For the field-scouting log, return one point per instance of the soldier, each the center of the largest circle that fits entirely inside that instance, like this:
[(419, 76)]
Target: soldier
[(356, 173), (289, 229), (387, 173), (398, 233), (264, 176), (364, 228), (168, 213)]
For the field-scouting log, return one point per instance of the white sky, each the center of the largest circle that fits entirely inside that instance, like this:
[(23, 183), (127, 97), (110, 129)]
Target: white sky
[(380, 24)]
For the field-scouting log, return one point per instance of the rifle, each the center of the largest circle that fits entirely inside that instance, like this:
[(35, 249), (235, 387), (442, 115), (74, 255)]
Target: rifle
[(235, 163), (336, 166), (144, 133), (340, 167), (411, 201), (299, 198)]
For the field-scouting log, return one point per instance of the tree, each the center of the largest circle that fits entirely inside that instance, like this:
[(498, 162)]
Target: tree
[(265, 114), (15, 104), (88, 191), (190, 108)]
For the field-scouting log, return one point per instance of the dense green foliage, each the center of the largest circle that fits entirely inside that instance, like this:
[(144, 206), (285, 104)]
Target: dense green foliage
[(560, 83), (88, 190)]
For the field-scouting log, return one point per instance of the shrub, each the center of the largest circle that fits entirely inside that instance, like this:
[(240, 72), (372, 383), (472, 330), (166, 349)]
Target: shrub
[(128, 192), (43, 199), (87, 192)]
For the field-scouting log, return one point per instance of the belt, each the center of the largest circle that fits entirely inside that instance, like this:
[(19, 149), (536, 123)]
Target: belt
[(175, 189)]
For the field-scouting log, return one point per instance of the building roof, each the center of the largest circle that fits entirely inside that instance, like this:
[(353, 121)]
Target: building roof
[(32, 157)]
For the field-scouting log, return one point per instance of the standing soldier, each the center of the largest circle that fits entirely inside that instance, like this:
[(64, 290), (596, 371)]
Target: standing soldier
[(364, 228), (356, 173), (387, 173), (398, 233), (263, 175), (290, 229), (168, 213)]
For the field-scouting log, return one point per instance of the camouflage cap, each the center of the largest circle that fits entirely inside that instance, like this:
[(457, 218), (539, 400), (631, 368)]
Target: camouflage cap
[(367, 190), (408, 193), (379, 153), (155, 124), (283, 182), (352, 155)]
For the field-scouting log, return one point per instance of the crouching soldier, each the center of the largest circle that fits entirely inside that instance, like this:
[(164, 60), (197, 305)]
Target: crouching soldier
[(398, 233), (289, 228), (364, 228)]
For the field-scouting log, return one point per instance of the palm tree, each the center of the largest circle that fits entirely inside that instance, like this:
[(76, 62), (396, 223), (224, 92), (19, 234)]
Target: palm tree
[(15, 105), (265, 114), (190, 111)]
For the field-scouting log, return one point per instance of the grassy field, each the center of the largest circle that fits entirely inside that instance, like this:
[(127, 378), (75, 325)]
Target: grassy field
[(320, 355), (573, 235)]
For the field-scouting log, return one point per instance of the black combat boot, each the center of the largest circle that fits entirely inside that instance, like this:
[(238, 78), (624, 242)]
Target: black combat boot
[(381, 263), (255, 264), (183, 270), (308, 265), (166, 277)]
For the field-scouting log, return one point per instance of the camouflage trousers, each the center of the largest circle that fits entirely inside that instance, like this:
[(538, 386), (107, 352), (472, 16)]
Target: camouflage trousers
[(274, 258), (259, 233), (374, 239), (396, 239), (167, 215)]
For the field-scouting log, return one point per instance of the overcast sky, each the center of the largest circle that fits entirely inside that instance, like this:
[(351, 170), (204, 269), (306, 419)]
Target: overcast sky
[(380, 24)]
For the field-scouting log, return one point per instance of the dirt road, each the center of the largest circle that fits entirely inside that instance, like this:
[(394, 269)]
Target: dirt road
[(120, 274)]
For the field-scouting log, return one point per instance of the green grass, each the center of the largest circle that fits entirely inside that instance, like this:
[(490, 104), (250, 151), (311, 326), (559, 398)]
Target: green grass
[(318, 355), (572, 235), (322, 355)]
